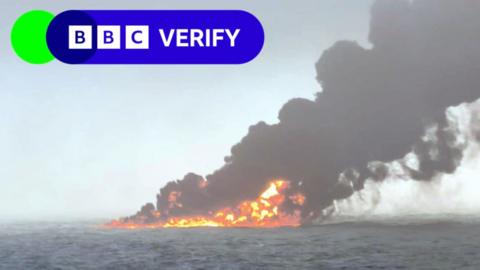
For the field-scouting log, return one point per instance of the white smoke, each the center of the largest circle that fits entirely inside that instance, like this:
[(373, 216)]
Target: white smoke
[(447, 195)]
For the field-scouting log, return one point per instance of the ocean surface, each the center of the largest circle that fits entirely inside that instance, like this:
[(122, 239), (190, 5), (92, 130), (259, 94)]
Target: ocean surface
[(349, 245)]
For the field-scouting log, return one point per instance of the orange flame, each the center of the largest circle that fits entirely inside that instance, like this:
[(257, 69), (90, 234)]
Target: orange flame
[(263, 212), (297, 199)]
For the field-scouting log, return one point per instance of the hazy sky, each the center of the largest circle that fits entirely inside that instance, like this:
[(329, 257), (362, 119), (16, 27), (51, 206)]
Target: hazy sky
[(99, 141)]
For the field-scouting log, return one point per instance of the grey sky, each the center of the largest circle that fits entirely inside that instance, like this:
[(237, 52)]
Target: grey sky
[(99, 141)]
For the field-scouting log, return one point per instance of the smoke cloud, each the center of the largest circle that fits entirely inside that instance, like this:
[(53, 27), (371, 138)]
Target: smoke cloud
[(377, 104), (400, 196)]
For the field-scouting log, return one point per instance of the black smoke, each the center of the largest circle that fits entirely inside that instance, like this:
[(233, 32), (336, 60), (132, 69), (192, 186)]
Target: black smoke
[(375, 105)]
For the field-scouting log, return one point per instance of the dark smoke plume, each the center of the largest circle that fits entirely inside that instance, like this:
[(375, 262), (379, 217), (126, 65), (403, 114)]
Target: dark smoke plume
[(375, 105)]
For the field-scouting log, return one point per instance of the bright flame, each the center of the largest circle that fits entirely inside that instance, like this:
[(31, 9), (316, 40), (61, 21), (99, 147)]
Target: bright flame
[(265, 212)]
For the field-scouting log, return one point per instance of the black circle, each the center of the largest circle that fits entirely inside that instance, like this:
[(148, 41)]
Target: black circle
[(57, 36)]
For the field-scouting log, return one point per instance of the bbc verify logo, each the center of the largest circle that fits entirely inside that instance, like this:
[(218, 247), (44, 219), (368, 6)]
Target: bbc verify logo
[(108, 37), (139, 37)]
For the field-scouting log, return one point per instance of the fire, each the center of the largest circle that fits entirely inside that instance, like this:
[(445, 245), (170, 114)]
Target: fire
[(297, 199), (264, 212)]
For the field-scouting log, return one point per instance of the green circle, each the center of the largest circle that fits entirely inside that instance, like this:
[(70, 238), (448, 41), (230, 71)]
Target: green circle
[(29, 37)]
